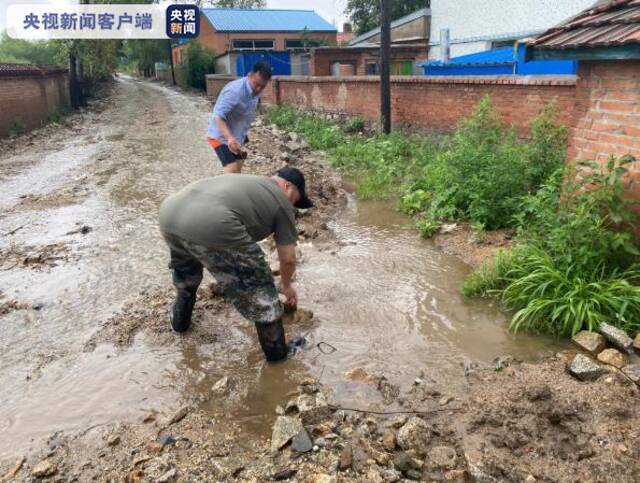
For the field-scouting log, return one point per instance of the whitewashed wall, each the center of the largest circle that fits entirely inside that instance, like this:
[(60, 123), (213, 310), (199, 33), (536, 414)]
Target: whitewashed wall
[(472, 23)]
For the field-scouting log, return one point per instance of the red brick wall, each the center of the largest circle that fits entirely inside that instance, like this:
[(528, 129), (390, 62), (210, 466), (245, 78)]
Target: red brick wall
[(607, 119), (31, 99), (433, 104), (607, 110)]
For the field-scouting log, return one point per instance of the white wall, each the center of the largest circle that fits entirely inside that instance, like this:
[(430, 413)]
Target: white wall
[(474, 21)]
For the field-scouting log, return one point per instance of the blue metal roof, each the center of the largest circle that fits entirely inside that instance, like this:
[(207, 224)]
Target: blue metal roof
[(266, 20), (501, 55)]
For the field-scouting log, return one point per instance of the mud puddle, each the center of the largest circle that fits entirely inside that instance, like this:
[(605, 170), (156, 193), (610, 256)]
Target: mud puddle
[(385, 302)]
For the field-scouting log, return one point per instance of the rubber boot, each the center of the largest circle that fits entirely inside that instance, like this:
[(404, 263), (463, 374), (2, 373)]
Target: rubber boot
[(272, 340), (181, 309)]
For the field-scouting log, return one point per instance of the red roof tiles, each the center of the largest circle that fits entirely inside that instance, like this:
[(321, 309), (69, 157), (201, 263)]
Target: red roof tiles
[(616, 22)]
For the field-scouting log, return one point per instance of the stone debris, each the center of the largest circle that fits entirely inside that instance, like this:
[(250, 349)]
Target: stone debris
[(44, 468), (442, 457), (221, 387), (414, 435), (613, 358), (228, 467), (168, 476), (584, 369), (636, 342), (179, 415), (9, 475), (284, 429), (616, 337), (632, 371), (346, 458), (113, 440), (588, 341), (301, 442)]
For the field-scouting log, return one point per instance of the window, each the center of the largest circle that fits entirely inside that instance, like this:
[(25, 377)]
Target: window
[(253, 44), (372, 68), (294, 44)]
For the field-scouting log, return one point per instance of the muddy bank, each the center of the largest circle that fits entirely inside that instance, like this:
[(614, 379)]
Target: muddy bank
[(523, 423), (459, 239)]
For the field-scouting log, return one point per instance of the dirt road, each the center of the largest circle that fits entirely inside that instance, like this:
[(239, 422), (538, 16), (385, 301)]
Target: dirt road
[(95, 374)]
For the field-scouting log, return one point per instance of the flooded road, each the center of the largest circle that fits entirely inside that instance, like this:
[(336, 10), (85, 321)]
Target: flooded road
[(385, 300)]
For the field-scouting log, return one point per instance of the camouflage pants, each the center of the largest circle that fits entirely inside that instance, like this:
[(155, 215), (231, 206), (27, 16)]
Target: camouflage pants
[(243, 272)]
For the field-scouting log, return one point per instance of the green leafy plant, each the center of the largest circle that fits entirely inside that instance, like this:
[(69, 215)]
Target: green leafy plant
[(576, 262), (197, 62), (427, 227), (354, 125)]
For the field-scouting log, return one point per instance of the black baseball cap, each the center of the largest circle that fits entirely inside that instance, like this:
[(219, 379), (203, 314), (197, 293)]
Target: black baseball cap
[(296, 178)]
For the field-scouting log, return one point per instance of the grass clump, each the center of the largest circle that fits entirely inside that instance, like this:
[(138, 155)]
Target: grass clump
[(575, 263)]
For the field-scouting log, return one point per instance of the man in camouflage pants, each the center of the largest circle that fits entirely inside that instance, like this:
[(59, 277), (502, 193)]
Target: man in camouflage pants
[(215, 223)]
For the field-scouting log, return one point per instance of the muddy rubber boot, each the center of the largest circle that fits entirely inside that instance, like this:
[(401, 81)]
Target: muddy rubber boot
[(181, 309), (272, 340)]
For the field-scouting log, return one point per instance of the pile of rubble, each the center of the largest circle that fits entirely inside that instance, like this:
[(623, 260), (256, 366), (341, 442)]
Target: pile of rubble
[(608, 350)]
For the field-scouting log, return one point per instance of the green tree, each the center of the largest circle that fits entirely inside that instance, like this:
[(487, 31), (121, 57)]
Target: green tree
[(141, 55), (365, 14), (198, 61), (28, 52)]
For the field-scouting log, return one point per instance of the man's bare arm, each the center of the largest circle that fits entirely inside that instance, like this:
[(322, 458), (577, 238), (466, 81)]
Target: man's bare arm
[(287, 258), (233, 143)]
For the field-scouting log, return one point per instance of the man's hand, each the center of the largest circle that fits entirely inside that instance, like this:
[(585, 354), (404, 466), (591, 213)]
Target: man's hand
[(291, 296), (234, 145)]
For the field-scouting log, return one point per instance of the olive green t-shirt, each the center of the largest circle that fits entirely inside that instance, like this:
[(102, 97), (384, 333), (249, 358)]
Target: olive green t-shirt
[(231, 210)]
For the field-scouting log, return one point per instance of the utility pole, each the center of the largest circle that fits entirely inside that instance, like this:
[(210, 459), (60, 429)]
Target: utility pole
[(173, 72), (385, 67)]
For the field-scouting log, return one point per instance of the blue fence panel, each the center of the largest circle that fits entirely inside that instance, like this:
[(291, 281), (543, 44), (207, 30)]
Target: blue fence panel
[(280, 62), (541, 67)]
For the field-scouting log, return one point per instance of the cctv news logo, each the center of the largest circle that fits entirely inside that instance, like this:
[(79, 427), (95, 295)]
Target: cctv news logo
[(102, 21)]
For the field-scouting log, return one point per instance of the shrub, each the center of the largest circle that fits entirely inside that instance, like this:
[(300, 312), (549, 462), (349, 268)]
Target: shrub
[(197, 62), (481, 173), (427, 227), (576, 261)]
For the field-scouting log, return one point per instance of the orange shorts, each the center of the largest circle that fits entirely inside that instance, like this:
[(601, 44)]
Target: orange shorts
[(214, 143)]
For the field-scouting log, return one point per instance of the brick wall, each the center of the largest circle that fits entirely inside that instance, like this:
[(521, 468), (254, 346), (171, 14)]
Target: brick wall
[(607, 110), (430, 103), (31, 99)]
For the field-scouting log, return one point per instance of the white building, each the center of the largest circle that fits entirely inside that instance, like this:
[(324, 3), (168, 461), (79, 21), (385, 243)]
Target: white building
[(477, 25)]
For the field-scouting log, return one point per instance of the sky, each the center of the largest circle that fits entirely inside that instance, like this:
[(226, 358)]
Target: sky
[(330, 10)]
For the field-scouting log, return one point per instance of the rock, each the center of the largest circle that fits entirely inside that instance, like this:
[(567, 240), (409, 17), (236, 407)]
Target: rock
[(632, 371), (275, 268), (284, 429), (397, 422), (293, 136), (616, 337), (403, 462), (389, 440), (636, 342), (44, 468), (154, 447), (445, 400), (113, 440), (390, 476), (302, 316), (585, 369), (284, 474), (293, 146), (301, 442), (168, 476), (415, 434), (372, 476), (588, 341), (179, 415), (442, 457), (346, 458), (414, 475), (141, 459), (221, 387), (166, 441), (613, 358), (228, 467), (530, 479), (502, 362)]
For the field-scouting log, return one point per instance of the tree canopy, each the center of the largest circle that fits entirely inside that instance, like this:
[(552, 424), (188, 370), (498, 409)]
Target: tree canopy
[(365, 14)]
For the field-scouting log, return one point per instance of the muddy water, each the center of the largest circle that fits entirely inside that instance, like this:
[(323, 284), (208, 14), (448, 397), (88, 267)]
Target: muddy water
[(387, 301)]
